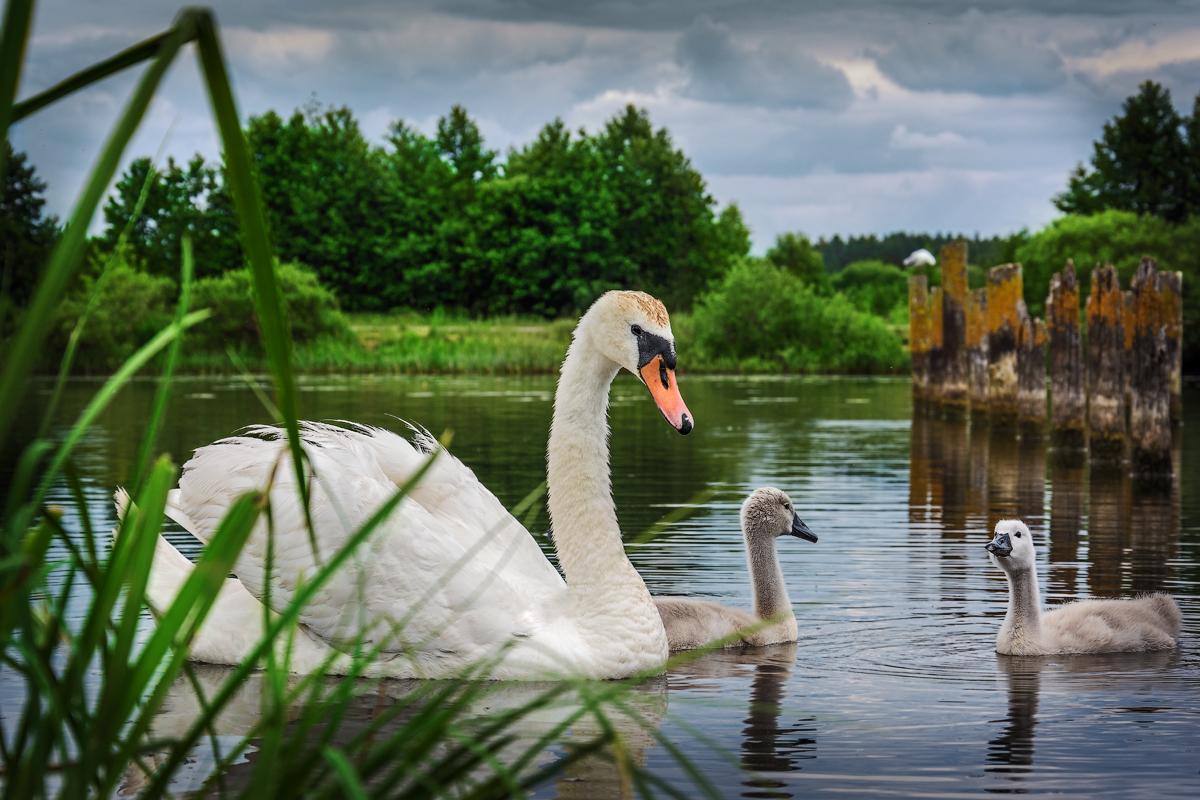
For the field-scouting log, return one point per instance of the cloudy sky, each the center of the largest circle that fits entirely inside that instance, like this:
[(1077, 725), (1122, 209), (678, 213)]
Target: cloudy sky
[(831, 116)]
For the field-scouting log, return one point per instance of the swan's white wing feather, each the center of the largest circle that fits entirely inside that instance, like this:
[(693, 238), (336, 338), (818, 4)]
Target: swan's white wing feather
[(460, 581)]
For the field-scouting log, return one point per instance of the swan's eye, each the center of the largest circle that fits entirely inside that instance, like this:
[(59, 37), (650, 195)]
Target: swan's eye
[(1018, 534), (636, 330)]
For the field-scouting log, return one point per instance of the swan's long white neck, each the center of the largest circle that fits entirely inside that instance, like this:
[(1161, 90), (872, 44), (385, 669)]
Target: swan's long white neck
[(766, 579), (607, 593), (1024, 617)]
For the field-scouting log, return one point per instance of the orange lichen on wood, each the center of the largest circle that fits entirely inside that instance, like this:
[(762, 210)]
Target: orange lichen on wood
[(936, 356), (1170, 284), (1068, 400), (1004, 293), (954, 270), (1005, 288), (935, 318), (1150, 381), (976, 318), (918, 333), (1106, 363), (953, 384), (977, 358), (1031, 373)]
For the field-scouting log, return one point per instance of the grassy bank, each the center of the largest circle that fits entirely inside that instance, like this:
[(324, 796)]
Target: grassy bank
[(411, 343)]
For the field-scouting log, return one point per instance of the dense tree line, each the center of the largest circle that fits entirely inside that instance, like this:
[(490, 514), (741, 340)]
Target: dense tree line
[(893, 248), (424, 222), (26, 232)]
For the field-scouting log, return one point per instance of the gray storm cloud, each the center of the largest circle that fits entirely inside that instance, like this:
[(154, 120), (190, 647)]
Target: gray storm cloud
[(823, 116)]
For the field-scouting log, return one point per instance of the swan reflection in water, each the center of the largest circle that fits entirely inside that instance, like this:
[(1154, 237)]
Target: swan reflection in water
[(772, 743), (1083, 685)]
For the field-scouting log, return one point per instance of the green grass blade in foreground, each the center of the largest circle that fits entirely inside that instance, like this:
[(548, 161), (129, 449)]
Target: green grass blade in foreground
[(126, 576), (286, 618), (162, 658), (158, 410), (67, 255), (268, 301), (351, 785), (142, 51), (18, 17)]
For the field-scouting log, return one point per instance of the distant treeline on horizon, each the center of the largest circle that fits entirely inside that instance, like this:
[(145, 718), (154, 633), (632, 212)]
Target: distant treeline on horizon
[(441, 221)]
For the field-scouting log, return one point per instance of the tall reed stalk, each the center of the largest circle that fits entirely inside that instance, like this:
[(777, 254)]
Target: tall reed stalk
[(96, 684)]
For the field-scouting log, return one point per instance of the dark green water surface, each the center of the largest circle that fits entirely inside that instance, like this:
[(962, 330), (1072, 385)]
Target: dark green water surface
[(893, 688)]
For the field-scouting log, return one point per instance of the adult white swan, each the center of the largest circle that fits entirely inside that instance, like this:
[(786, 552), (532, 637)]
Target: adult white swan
[(451, 578)]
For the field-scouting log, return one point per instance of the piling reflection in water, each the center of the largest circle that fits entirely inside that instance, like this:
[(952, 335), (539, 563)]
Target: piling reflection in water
[(1067, 509), (1119, 532)]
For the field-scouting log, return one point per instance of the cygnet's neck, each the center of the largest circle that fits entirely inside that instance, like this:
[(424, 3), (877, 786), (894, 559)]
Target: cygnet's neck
[(1024, 601), (587, 537), (766, 578)]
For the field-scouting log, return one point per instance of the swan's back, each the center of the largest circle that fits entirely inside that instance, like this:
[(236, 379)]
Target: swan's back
[(1151, 622), (691, 623), (450, 564)]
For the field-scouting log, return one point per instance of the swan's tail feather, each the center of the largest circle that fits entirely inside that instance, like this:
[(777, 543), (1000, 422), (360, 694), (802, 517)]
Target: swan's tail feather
[(122, 500), (233, 624), (169, 567), (1168, 610)]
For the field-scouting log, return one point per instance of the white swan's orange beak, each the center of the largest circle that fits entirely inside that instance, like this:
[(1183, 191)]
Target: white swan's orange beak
[(660, 380)]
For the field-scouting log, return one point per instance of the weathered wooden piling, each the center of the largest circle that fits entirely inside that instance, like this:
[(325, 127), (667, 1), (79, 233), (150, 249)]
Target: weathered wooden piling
[(1031, 374), (918, 336), (977, 351), (1127, 358), (1150, 407), (937, 356), (1106, 364), (1004, 292), (954, 324), (1068, 402), (1171, 285)]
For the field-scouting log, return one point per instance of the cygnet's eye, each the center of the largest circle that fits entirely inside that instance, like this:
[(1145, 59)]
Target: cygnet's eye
[(788, 506), (1018, 534), (636, 330)]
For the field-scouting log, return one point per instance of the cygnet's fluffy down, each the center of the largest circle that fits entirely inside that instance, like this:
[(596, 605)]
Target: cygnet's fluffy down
[(766, 515), (1150, 622)]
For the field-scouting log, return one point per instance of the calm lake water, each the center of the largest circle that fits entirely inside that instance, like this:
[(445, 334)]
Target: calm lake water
[(893, 688)]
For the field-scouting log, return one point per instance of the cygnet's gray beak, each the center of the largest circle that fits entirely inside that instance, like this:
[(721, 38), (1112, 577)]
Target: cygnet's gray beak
[(800, 530), (1000, 546)]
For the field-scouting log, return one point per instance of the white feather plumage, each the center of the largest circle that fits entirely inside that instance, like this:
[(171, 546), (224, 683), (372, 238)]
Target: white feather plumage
[(450, 579)]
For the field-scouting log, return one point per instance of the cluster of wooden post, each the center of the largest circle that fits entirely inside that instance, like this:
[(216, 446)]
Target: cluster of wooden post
[(981, 353)]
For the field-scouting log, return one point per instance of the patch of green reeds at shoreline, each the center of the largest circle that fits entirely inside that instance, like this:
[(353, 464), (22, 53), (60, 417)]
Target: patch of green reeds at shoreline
[(408, 343), (74, 620)]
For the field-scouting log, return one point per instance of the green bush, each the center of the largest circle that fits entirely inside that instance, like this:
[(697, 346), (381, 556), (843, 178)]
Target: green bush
[(762, 313), (127, 308), (312, 310), (873, 286), (795, 253), (1122, 239)]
